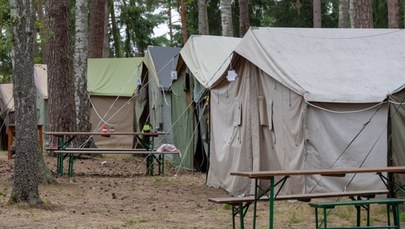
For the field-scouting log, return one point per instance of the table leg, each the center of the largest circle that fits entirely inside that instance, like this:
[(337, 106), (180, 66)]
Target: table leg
[(162, 158), (395, 209), (358, 211), (71, 161), (255, 203), (242, 216), (271, 203), (60, 157), (388, 215), (316, 218), (233, 216), (325, 219), (149, 165)]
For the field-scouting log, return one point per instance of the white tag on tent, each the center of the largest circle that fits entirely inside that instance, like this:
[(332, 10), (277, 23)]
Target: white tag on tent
[(139, 81), (173, 75), (231, 75)]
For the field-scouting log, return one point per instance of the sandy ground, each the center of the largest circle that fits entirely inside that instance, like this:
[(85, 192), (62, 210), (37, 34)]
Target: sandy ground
[(113, 192)]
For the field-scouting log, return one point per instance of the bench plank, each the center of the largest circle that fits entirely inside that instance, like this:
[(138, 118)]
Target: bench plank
[(300, 197)]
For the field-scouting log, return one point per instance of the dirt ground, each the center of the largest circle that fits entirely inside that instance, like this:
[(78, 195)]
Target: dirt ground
[(113, 192)]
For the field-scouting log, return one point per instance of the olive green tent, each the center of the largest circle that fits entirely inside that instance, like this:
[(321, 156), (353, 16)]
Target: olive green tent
[(111, 83), (202, 60)]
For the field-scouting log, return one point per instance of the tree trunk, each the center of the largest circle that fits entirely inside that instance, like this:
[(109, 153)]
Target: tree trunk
[(344, 19), (115, 30), (96, 25), (43, 36), (169, 14), (61, 102), (203, 27), (183, 16), (244, 23), (226, 18), (80, 70), (361, 14), (393, 14), (106, 38), (317, 13), (25, 185)]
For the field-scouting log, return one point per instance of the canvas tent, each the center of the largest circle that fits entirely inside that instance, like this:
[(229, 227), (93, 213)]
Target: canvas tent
[(7, 102), (111, 83), (304, 99), (202, 60), (153, 93)]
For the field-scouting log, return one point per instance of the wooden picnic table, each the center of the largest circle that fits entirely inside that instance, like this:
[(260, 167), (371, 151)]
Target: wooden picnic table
[(285, 174), (65, 138)]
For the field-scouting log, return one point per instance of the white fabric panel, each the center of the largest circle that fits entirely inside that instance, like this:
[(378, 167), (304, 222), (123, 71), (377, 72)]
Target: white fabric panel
[(207, 57), (330, 65), (248, 145), (339, 140)]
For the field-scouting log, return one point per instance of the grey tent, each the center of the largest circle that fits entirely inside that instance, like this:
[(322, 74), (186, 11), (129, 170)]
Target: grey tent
[(153, 93), (304, 99), (202, 60)]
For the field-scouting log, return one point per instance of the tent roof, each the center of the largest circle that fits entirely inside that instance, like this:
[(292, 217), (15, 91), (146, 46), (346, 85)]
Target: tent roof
[(113, 76), (207, 57), (41, 77), (161, 61), (330, 65), (6, 98)]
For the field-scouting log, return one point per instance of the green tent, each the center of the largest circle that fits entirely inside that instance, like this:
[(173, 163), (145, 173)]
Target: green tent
[(111, 83), (201, 62)]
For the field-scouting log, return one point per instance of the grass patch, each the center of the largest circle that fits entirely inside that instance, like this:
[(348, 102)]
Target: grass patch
[(163, 181), (226, 207)]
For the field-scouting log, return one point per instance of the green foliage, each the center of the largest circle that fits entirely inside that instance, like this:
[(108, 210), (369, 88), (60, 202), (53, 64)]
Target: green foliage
[(5, 42)]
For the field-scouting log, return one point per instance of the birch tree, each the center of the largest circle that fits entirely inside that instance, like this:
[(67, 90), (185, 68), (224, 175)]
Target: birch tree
[(226, 18), (80, 69), (344, 19), (25, 185)]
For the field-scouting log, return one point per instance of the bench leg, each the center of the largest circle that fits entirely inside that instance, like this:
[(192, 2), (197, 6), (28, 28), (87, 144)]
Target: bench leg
[(71, 161), (395, 210), (149, 165), (59, 164)]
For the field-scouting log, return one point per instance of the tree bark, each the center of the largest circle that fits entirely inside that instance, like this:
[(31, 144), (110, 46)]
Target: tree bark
[(183, 16), (244, 23), (361, 14), (96, 31), (393, 14), (106, 38), (203, 27), (317, 15), (25, 185), (344, 19), (80, 70), (61, 102), (226, 18)]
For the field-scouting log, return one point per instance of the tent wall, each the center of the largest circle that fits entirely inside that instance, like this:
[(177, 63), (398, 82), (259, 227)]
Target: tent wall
[(182, 114), (117, 114), (397, 131), (259, 124), (346, 135)]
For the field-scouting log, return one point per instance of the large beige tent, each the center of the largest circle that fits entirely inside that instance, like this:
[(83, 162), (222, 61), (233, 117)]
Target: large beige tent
[(111, 83), (304, 99)]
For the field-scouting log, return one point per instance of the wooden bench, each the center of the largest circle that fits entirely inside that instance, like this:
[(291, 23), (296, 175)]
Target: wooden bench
[(240, 204), (358, 204), (74, 153)]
